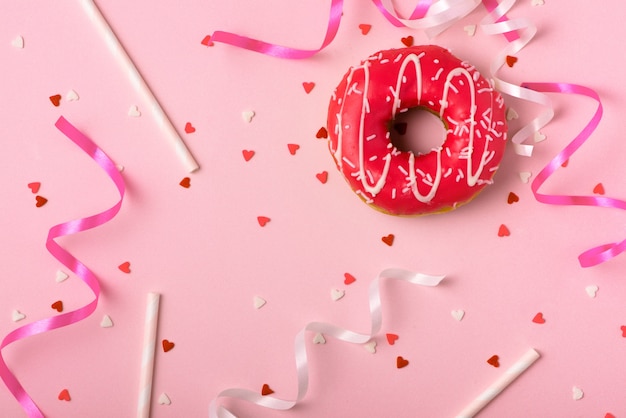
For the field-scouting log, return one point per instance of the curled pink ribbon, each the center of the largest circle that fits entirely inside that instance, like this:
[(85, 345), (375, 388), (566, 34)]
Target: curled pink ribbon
[(341, 334), (69, 261)]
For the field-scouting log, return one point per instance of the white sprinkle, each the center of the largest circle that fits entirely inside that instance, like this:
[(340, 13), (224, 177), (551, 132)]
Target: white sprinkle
[(336, 294), (345, 160), (60, 276), (247, 115), (18, 42), (164, 399), (403, 171), (134, 112), (106, 322), (71, 96), (258, 302), (319, 339), (369, 138), (17, 315), (373, 158)]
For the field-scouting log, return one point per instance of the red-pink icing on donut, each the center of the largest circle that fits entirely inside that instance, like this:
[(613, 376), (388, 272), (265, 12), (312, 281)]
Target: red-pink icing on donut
[(371, 95)]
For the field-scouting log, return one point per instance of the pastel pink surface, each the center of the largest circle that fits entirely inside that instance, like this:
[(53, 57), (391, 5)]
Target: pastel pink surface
[(202, 247)]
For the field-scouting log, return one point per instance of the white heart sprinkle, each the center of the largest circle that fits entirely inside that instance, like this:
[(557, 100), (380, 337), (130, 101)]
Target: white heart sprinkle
[(61, 276), (537, 2), (524, 176), (539, 137), (247, 115), (577, 393), (18, 42), (106, 322), (337, 294), (591, 290), (164, 399), (458, 314), (71, 96), (319, 339), (258, 302), (134, 112), (470, 29), (119, 167), (17, 316), (511, 114), (370, 346)]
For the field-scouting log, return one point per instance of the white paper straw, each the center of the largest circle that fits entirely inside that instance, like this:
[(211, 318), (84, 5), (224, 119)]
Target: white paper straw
[(139, 84), (147, 355), (499, 385)]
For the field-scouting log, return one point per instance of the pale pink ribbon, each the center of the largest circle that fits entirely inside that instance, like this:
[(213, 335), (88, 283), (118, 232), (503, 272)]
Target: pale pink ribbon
[(302, 366), (69, 261)]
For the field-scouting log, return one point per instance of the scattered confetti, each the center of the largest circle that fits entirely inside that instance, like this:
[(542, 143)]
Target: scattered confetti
[(185, 182), (370, 346), (34, 187), (365, 28), (591, 290), (348, 278), (247, 115), (189, 128), (599, 189), (57, 306), (511, 114), (401, 362), (266, 390), (537, 2), (407, 41), (64, 395), (71, 96), (539, 319), (207, 41), (164, 399), (321, 133), (124, 267), (134, 112), (511, 60), (322, 177), (458, 314), (470, 30), (392, 338), (263, 220), (512, 198), (308, 86), (40, 201), (60, 276), (336, 294), (167, 345), (319, 339), (525, 176), (388, 239), (247, 154), (577, 393), (538, 137), (293, 148), (17, 316), (56, 99), (106, 322), (17, 42), (503, 231), (258, 302), (494, 361)]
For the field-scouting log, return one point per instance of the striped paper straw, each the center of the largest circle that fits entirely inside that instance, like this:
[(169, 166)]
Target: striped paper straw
[(147, 356), (139, 84), (499, 385)]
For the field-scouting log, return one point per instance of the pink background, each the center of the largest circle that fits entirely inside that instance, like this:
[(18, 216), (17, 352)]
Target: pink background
[(203, 249)]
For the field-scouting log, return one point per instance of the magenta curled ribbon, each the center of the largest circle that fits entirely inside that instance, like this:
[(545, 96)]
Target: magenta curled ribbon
[(69, 261)]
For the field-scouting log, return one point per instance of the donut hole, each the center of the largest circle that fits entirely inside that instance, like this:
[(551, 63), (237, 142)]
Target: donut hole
[(418, 130)]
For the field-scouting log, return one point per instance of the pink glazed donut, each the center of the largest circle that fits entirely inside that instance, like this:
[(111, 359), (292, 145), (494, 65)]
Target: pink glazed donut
[(367, 101)]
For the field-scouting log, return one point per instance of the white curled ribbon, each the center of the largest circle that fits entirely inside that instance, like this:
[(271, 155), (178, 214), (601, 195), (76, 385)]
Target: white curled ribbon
[(519, 32), (217, 411)]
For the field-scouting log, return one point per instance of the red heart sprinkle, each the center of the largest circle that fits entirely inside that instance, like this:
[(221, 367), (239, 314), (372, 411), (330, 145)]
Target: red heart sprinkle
[(494, 361), (349, 279), (266, 390), (57, 306), (56, 100), (365, 28), (308, 86), (392, 338), (388, 239), (322, 177), (293, 148), (512, 198), (167, 345), (34, 187), (623, 328), (64, 395), (263, 220), (408, 41), (207, 41), (565, 163), (124, 267), (539, 319), (599, 189), (189, 128), (609, 415), (503, 231), (322, 133), (186, 182), (40, 201), (247, 154), (511, 60), (401, 362)]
